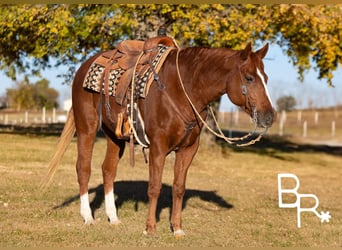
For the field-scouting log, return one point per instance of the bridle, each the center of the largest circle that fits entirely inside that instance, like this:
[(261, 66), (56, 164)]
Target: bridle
[(230, 140), (244, 92)]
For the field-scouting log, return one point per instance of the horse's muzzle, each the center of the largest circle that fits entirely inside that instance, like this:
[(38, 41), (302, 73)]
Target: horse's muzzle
[(266, 119)]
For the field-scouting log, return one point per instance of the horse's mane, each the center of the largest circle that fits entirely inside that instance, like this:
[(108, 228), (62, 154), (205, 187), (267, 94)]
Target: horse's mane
[(215, 52), (215, 55)]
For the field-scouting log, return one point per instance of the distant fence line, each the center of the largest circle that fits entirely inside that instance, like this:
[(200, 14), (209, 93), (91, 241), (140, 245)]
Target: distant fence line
[(298, 123), (31, 117), (287, 122), (305, 123)]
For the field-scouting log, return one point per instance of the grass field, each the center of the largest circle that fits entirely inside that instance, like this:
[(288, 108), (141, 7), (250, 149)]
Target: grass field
[(231, 198)]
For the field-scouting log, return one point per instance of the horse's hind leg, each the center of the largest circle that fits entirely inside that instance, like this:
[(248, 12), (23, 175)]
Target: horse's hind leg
[(114, 152), (86, 121), (85, 143)]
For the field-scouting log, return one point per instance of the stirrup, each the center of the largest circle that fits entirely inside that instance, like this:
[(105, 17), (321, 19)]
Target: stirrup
[(118, 130), (122, 127), (126, 129)]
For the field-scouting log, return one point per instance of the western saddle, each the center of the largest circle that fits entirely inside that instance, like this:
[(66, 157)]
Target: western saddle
[(131, 58)]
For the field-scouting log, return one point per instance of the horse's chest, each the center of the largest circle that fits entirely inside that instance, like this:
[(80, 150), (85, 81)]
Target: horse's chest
[(187, 136)]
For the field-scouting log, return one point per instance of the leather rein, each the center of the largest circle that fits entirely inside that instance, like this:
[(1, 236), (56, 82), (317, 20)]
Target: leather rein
[(220, 134)]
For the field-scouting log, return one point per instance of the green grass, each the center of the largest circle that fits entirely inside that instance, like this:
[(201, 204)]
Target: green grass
[(231, 198)]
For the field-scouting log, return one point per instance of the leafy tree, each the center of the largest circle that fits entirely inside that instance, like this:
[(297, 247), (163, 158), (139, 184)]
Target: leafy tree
[(21, 97), (43, 95), (3, 102), (32, 96), (310, 35), (286, 103)]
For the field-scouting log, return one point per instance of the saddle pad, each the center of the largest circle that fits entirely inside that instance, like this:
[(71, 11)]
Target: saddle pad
[(95, 76), (143, 78)]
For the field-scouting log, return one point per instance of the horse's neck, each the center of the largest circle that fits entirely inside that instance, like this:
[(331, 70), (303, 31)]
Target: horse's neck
[(206, 73)]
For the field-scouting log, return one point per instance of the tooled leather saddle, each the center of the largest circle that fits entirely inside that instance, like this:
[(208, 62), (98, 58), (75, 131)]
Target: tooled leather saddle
[(113, 72), (114, 69)]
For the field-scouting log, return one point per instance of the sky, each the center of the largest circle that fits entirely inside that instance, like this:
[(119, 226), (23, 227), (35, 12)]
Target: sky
[(282, 80)]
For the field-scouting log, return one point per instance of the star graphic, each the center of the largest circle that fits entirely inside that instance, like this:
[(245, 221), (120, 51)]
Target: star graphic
[(325, 216)]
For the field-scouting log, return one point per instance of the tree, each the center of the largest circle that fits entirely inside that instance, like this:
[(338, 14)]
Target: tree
[(32, 96), (21, 97), (286, 103), (310, 35), (43, 95), (3, 102)]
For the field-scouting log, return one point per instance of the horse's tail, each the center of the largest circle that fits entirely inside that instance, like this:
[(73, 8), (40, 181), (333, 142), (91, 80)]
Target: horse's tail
[(63, 143)]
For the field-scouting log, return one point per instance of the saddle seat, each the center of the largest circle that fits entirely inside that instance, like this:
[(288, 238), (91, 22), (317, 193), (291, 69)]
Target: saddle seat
[(128, 51)]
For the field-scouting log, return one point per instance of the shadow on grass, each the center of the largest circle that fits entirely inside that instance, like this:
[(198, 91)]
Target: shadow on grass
[(39, 129), (271, 145), (136, 191)]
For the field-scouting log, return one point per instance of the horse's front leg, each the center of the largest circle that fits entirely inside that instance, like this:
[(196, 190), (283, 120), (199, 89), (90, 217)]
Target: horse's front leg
[(156, 165), (114, 152), (183, 160)]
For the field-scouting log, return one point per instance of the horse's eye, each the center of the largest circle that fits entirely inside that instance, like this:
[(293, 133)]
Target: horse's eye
[(249, 79)]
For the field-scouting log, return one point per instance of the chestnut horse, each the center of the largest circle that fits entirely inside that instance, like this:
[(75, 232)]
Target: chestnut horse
[(192, 78)]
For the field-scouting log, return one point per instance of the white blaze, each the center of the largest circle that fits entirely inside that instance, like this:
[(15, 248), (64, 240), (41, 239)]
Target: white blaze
[(264, 84)]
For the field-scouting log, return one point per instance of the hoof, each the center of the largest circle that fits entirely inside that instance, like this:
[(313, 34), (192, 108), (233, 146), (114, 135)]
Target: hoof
[(179, 234), (115, 222), (149, 233), (89, 221)]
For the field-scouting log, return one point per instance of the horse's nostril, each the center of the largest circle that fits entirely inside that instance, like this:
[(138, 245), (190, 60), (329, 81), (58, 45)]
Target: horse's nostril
[(269, 118), (266, 119)]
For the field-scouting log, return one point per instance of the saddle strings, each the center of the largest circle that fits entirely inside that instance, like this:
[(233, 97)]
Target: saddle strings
[(130, 117), (220, 134)]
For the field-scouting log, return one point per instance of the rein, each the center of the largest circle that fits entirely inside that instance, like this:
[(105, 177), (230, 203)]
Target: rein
[(230, 140)]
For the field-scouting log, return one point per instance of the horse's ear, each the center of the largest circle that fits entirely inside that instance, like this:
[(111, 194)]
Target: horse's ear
[(246, 52), (263, 51)]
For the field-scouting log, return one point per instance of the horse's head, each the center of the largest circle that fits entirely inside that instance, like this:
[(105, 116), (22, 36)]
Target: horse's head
[(247, 87)]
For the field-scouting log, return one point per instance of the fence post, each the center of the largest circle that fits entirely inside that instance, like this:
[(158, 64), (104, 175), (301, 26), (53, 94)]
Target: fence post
[(281, 127), (333, 129), (236, 118), (26, 117), (299, 116), (305, 128), (54, 115), (43, 115), (282, 122), (316, 117), (231, 122)]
